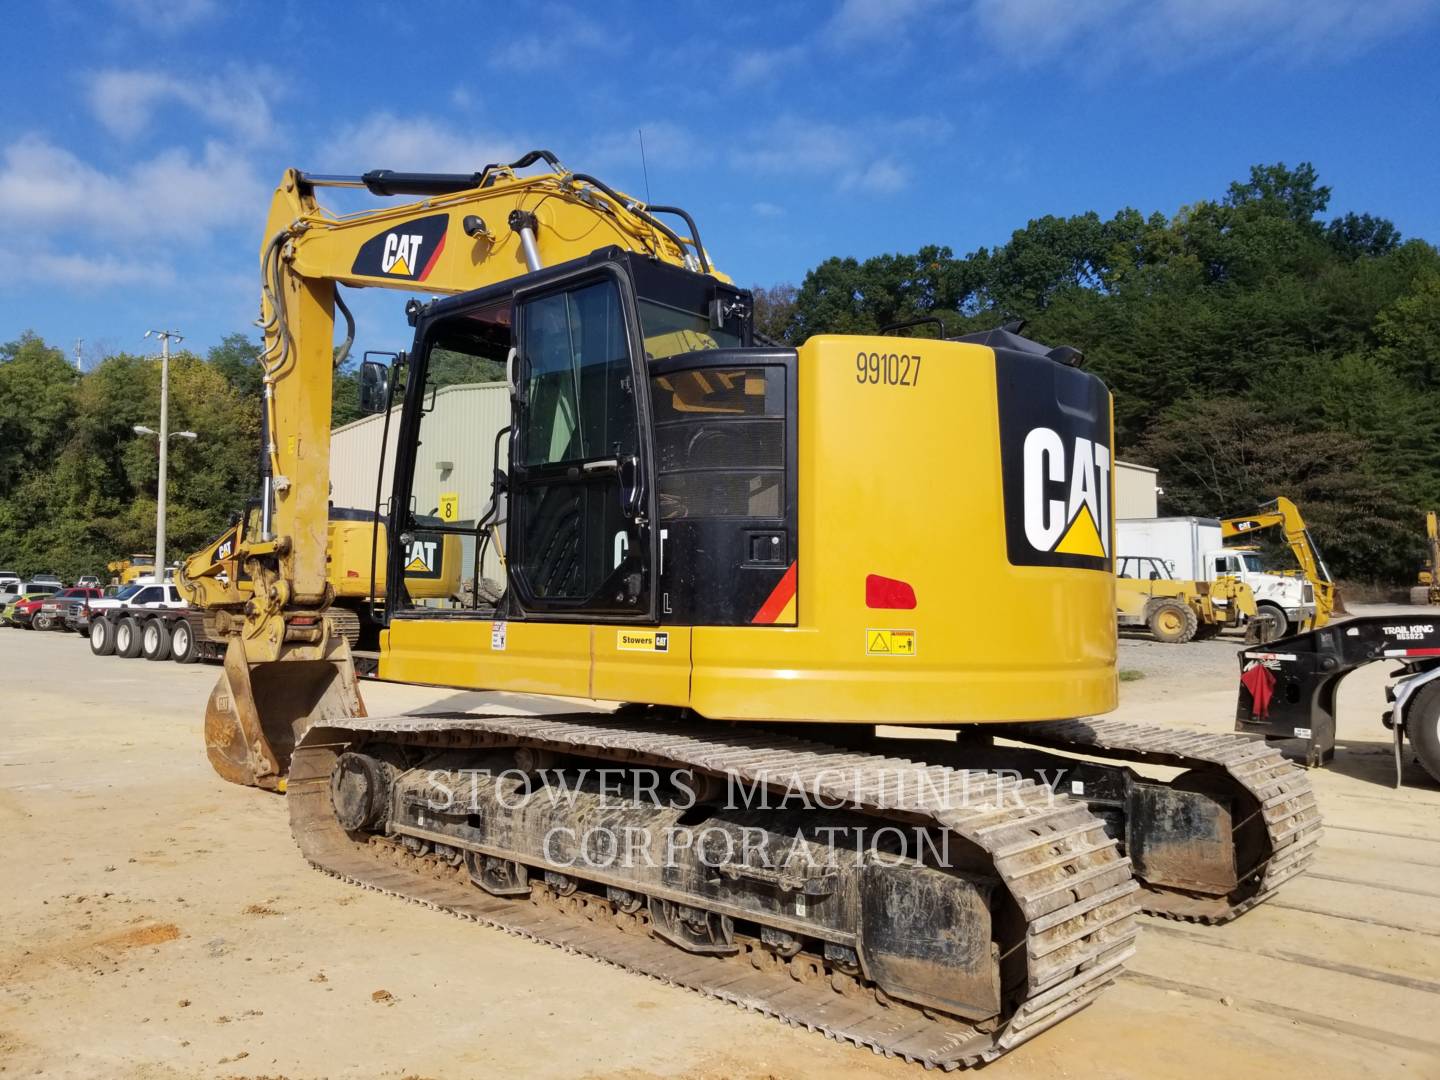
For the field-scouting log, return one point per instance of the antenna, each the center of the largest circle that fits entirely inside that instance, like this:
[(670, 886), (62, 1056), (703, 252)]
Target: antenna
[(644, 167)]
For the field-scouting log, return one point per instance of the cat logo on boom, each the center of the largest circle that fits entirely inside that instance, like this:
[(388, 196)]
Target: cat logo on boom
[(1056, 461), (408, 252), (401, 251)]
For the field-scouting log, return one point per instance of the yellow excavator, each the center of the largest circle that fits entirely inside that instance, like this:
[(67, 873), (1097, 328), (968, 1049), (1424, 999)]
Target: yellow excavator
[(1427, 587), (746, 557), (1283, 514), (215, 578)]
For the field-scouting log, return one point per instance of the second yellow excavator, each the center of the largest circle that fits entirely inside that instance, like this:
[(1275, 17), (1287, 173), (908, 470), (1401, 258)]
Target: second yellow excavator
[(1284, 515), (746, 557)]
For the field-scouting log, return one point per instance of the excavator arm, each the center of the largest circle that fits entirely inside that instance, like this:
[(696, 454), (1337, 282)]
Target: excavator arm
[(1283, 514), (464, 232)]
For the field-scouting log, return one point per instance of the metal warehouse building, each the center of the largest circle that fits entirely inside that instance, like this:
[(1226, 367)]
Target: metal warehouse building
[(1137, 491), (456, 457)]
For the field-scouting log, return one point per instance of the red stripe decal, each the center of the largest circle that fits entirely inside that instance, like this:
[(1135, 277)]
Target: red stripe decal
[(430, 263), (1422, 652), (783, 593)]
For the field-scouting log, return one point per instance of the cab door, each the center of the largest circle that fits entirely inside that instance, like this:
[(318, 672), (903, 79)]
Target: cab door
[(579, 542)]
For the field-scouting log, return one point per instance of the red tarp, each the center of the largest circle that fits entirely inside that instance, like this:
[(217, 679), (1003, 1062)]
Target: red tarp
[(1261, 684)]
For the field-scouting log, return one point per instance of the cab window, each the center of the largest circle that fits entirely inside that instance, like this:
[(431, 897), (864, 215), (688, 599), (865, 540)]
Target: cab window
[(670, 331), (578, 390)]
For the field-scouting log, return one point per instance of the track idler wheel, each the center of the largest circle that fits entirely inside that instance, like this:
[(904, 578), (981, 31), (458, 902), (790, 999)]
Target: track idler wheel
[(360, 791)]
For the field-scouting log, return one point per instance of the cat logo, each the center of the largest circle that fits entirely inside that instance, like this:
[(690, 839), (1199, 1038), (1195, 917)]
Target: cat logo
[(408, 252), (1056, 462), (420, 558), (224, 550), (401, 252), (1067, 494)]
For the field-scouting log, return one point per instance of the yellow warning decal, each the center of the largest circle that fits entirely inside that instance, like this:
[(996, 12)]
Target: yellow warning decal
[(449, 506), (889, 642), (1082, 537), (400, 266), (642, 640), (416, 564)]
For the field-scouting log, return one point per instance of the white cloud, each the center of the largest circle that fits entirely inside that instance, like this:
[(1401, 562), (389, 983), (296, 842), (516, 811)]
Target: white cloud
[(861, 22), (563, 36), (767, 210), (126, 101), (860, 158), (73, 271), (174, 196), (755, 66), (168, 16), (667, 146), (384, 140), (795, 145), (1154, 31), (881, 177)]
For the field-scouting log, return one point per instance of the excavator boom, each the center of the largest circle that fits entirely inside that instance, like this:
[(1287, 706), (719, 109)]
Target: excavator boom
[(1281, 513)]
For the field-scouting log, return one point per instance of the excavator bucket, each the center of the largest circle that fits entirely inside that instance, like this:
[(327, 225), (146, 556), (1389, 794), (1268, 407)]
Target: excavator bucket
[(258, 712)]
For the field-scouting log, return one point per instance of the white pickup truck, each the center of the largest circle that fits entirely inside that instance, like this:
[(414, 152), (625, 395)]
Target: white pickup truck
[(1193, 549)]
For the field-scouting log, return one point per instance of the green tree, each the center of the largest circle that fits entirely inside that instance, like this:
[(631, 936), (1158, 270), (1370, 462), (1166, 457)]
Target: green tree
[(774, 311)]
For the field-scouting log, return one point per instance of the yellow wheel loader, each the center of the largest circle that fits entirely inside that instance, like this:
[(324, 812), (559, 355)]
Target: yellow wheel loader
[(125, 571), (1177, 611), (748, 557)]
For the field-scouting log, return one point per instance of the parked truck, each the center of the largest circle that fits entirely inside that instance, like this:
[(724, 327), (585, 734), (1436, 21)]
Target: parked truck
[(187, 620), (1193, 548)]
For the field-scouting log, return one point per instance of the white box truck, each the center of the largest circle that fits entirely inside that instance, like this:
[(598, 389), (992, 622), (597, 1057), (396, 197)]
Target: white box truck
[(1193, 549)]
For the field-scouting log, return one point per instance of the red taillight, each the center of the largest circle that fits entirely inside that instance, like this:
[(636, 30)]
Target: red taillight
[(884, 592)]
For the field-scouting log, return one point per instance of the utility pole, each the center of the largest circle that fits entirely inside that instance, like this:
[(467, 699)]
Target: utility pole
[(78, 343), (164, 336)]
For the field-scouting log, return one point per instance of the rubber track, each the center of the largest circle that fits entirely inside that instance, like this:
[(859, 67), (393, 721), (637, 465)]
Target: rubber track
[(1280, 787), (1068, 879)]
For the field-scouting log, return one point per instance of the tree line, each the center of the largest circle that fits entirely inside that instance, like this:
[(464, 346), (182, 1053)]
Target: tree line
[(1256, 347)]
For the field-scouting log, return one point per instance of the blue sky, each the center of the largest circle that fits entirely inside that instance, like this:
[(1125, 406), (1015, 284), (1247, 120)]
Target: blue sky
[(140, 139)]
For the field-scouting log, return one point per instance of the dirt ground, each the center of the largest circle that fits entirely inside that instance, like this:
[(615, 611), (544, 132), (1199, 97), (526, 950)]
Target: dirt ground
[(156, 922)]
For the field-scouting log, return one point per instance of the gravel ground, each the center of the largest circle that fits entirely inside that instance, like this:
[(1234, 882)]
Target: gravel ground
[(159, 924)]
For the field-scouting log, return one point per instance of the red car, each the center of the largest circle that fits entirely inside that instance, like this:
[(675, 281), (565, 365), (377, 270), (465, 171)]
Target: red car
[(48, 612)]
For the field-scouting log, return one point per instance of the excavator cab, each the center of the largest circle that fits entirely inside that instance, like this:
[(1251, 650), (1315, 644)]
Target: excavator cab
[(600, 353)]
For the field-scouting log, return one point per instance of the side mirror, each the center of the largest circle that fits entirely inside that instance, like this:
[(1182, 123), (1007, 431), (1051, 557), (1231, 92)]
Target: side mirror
[(629, 470), (374, 386)]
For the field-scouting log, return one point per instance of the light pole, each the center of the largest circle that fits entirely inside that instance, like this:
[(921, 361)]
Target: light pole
[(141, 429), (164, 434)]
